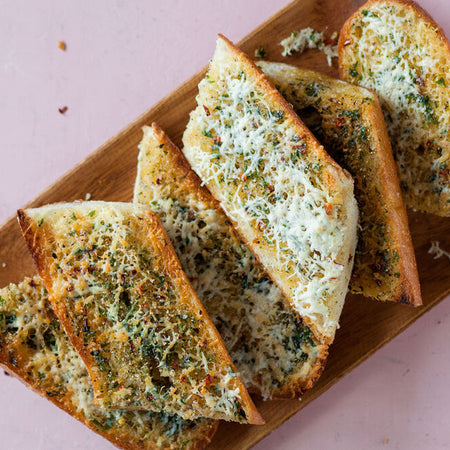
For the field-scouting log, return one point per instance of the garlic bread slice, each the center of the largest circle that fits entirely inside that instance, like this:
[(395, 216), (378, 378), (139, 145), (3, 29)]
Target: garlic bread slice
[(35, 349), (292, 204), (117, 287), (348, 121), (395, 48), (275, 353)]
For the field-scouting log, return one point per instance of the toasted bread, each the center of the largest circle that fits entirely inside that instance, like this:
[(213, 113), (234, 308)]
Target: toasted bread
[(348, 121), (117, 287), (34, 348), (275, 353), (291, 203), (394, 48)]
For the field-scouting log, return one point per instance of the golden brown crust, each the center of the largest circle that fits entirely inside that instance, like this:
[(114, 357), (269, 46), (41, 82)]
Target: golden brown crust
[(189, 296), (123, 441), (345, 35), (185, 176), (410, 293), (152, 232), (297, 388)]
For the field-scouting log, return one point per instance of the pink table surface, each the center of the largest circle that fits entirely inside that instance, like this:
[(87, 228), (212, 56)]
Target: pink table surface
[(122, 57)]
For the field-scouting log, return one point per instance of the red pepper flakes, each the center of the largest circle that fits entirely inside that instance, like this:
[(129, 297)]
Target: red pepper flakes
[(301, 147), (339, 122), (328, 208), (209, 380), (183, 378), (174, 366), (243, 176), (206, 110)]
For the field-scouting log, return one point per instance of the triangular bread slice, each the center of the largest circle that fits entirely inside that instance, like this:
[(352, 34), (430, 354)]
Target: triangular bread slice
[(348, 121), (117, 287), (396, 49), (275, 353), (35, 349), (292, 204)]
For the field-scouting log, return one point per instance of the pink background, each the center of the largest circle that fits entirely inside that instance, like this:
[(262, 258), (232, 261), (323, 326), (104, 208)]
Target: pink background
[(122, 57)]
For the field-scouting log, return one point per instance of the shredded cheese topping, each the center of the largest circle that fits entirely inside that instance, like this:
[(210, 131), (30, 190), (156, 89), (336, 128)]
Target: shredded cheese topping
[(341, 116), (308, 38), (262, 169), (437, 251)]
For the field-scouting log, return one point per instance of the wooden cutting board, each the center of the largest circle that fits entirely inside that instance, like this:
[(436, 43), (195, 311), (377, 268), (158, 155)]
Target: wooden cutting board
[(109, 173)]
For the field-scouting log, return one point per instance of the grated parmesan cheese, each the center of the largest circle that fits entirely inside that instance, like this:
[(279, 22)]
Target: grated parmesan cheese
[(308, 38), (437, 251), (262, 168), (396, 52)]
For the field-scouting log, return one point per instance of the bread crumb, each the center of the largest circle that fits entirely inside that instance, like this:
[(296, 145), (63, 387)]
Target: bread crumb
[(437, 251), (309, 38), (3, 264), (87, 196), (385, 441), (62, 45), (63, 109)]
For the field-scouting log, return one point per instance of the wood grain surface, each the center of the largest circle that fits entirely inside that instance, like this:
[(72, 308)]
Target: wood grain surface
[(109, 173)]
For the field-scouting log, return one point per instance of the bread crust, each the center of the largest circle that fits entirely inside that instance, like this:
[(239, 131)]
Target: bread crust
[(338, 179), (345, 38), (390, 208), (152, 230), (410, 285)]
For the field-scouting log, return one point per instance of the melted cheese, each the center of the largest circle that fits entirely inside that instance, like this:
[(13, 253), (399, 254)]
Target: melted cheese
[(343, 118), (276, 189), (46, 360)]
